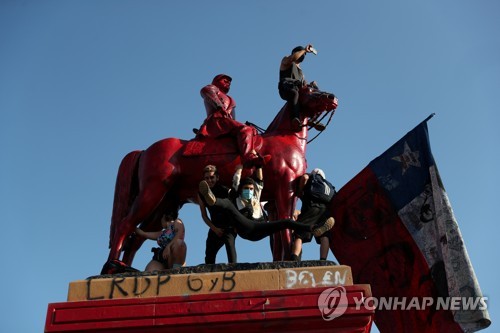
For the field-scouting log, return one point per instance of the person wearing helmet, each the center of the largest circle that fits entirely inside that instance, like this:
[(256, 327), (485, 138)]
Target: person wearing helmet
[(221, 117), (291, 79), (313, 212)]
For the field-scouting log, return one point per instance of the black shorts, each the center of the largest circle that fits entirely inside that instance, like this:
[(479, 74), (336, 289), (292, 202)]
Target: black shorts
[(158, 255), (312, 216)]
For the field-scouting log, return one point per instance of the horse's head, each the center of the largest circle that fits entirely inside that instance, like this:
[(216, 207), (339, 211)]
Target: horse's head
[(313, 101)]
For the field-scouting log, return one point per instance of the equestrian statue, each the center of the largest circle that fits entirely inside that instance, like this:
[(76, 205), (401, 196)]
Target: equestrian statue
[(165, 176)]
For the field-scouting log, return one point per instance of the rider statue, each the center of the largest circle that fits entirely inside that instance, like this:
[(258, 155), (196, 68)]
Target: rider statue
[(220, 119)]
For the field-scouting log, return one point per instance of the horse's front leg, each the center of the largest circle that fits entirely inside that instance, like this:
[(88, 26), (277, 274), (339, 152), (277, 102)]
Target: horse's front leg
[(285, 205)]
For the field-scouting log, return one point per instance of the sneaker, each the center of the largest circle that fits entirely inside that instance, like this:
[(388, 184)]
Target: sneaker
[(324, 228), (207, 193)]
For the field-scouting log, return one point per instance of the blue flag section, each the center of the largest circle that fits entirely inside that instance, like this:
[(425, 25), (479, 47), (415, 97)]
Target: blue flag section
[(396, 229)]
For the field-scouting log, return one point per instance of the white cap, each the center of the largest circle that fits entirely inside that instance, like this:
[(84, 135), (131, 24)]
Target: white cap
[(319, 172)]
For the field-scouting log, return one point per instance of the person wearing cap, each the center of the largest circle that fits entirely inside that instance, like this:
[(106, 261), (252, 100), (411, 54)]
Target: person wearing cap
[(312, 212), (291, 80), (221, 118)]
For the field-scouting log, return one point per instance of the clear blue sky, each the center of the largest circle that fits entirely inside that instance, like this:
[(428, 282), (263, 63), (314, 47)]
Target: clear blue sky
[(82, 83)]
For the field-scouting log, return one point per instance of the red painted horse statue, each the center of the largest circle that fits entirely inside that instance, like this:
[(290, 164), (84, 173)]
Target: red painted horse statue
[(166, 175)]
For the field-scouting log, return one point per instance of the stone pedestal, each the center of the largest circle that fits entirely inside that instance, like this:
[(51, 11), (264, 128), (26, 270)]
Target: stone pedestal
[(264, 297)]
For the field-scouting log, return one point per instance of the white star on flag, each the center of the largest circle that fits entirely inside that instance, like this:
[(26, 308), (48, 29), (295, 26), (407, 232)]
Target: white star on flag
[(408, 158)]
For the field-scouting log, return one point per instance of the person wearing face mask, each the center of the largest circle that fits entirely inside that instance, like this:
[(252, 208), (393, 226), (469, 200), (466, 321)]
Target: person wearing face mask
[(249, 190), (246, 227)]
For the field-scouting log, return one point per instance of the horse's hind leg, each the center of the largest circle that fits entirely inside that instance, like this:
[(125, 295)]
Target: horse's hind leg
[(152, 223), (133, 244), (144, 204)]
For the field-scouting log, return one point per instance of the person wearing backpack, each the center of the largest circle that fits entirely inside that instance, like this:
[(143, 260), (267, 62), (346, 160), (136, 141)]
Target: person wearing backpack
[(315, 193)]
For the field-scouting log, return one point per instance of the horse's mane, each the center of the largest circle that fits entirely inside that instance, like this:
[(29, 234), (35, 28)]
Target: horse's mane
[(278, 119)]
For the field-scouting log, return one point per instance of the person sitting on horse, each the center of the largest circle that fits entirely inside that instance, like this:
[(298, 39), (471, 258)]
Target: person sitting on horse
[(172, 249), (221, 117), (291, 80)]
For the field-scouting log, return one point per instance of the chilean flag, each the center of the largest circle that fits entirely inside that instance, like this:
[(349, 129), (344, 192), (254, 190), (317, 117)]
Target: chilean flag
[(396, 229)]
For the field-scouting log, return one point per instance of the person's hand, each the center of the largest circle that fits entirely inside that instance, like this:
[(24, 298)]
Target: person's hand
[(218, 231), (309, 48)]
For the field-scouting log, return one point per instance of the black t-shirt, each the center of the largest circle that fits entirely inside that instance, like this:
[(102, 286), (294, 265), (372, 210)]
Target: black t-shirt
[(217, 214)]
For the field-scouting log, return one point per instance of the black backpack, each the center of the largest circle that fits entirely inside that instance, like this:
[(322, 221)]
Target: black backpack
[(319, 189)]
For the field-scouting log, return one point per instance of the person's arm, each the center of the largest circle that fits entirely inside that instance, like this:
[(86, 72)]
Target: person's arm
[(179, 230), (237, 177), (287, 61), (179, 234), (209, 94), (148, 234), (259, 174), (302, 184), (206, 219)]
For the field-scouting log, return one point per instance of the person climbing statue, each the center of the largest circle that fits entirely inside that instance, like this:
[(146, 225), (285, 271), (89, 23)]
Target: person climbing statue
[(250, 230), (291, 80)]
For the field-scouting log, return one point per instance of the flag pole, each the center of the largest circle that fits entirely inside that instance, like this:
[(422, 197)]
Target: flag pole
[(430, 116)]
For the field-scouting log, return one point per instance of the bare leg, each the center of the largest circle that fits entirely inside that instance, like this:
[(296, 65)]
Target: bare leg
[(323, 248), (154, 265), (297, 246), (177, 254)]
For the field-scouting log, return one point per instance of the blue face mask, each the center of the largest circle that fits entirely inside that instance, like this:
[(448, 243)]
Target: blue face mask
[(247, 193)]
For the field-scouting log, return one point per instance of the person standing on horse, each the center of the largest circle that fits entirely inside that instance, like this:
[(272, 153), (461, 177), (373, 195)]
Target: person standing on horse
[(291, 80), (221, 116)]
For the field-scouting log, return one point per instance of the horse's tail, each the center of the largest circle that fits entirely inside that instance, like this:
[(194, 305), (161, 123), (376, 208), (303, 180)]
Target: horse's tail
[(126, 189)]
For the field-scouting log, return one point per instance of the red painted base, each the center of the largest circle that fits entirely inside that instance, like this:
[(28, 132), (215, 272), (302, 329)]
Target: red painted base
[(256, 311)]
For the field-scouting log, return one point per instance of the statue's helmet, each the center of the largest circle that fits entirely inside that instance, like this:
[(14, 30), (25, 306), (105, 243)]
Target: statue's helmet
[(299, 48), (221, 76), (318, 171), (217, 81)]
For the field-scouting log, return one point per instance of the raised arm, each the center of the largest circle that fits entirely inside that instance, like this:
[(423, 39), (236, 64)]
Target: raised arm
[(287, 61), (302, 183)]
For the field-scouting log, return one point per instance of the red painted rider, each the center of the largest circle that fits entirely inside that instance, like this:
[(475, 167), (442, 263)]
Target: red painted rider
[(221, 118)]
